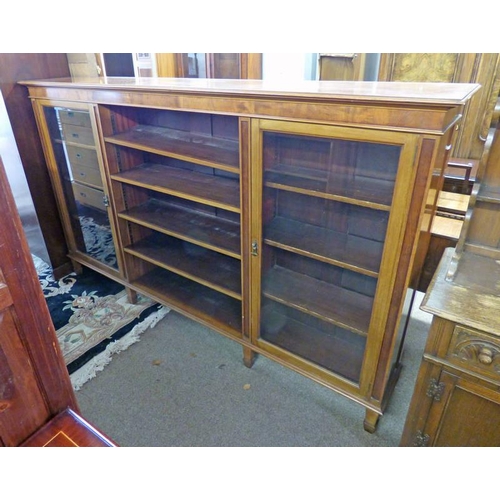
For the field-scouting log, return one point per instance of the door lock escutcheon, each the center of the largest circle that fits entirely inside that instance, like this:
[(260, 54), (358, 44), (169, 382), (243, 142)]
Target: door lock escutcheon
[(255, 248)]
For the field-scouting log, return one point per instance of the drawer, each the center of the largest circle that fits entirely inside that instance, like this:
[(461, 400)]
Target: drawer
[(88, 175), (73, 117), (88, 196), (82, 156), (476, 351), (78, 134)]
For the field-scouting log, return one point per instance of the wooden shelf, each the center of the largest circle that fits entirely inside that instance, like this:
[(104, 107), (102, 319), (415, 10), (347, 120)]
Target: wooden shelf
[(203, 149), (215, 309), (447, 227), (208, 231), (209, 268), (350, 252), (331, 303), (452, 203), (329, 347), (211, 190), (363, 191)]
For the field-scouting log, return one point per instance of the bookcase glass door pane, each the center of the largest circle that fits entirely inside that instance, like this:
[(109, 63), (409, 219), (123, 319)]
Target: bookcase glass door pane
[(75, 153), (325, 209)]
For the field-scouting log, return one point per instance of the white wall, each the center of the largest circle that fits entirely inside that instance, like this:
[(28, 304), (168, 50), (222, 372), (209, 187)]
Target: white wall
[(289, 66)]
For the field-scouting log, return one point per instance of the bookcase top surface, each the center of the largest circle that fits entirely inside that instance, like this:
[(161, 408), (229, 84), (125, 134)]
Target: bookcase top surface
[(423, 92)]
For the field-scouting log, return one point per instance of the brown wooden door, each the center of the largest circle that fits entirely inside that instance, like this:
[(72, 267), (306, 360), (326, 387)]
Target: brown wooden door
[(342, 66), (327, 247), (463, 413), (34, 382)]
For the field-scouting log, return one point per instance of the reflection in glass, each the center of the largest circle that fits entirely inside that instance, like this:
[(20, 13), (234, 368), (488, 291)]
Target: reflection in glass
[(325, 212), (76, 156)]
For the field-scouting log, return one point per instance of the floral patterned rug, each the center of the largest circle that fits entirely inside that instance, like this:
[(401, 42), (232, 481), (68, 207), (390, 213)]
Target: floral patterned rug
[(93, 318)]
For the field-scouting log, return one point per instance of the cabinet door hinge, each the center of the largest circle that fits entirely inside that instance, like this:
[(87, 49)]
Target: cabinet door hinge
[(435, 390), (105, 201), (421, 439)]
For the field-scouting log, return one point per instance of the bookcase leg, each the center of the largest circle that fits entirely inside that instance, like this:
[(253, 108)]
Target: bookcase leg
[(132, 296), (77, 267), (371, 421), (248, 357)]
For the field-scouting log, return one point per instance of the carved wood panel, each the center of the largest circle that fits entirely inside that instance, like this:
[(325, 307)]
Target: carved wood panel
[(476, 351)]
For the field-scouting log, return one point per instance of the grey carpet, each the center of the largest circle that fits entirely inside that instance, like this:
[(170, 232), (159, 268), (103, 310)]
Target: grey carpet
[(184, 385)]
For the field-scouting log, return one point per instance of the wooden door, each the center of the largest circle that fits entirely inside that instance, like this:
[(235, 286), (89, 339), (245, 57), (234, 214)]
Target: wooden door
[(34, 382), (330, 206), (342, 66), (463, 413)]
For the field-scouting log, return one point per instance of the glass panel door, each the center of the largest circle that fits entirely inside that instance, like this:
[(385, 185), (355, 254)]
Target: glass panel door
[(325, 213), (85, 202)]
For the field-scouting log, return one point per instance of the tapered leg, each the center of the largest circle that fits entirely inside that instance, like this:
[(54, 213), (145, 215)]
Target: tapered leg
[(371, 421), (77, 267), (248, 357), (132, 296)]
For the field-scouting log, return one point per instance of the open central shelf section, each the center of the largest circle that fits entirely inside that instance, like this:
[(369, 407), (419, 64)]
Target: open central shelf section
[(176, 187)]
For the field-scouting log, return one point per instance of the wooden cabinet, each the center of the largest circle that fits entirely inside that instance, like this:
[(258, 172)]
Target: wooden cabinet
[(290, 220), (462, 355), (456, 401)]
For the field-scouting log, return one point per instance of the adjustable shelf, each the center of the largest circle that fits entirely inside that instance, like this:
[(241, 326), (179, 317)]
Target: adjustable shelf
[(348, 251), (321, 343), (202, 149), (209, 268), (204, 304), (367, 192), (206, 230), (331, 303), (212, 190)]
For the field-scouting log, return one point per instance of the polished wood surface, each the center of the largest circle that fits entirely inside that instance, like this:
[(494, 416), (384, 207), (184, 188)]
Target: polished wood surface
[(38, 406), (34, 382), (424, 93), (324, 183), (216, 191), (68, 430)]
